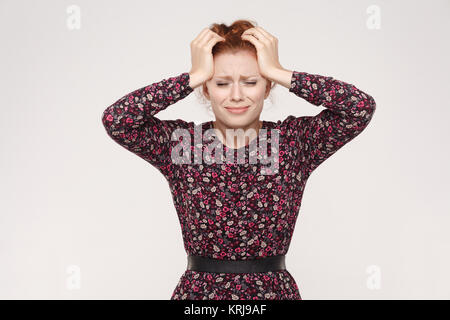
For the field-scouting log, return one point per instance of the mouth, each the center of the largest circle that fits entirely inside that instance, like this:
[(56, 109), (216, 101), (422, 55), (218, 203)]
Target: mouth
[(237, 110)]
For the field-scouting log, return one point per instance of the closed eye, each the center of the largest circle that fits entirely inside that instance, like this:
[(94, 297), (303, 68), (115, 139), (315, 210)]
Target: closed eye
[(224, 84)]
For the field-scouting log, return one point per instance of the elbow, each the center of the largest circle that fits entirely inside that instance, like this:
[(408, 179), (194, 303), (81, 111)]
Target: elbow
[(371, 107), (107, 119), (363, 112), (367, 112)]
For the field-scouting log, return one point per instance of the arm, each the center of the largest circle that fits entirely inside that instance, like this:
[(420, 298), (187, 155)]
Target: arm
[(348, 112), (131, 120)]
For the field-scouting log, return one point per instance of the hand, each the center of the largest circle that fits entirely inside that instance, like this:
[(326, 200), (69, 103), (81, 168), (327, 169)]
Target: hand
[(201, 55), (267, 50)]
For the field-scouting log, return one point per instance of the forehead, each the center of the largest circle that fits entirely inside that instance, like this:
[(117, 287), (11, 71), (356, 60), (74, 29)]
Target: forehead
[(240, 77), (240, 65)]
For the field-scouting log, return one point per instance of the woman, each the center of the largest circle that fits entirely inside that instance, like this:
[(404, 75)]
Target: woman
[(236, 219)]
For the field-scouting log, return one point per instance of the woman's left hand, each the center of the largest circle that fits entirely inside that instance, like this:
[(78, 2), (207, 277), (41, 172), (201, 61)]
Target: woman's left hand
[(267, 50)]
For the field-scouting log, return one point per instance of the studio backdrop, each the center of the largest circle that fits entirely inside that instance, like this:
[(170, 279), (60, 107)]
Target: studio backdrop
[(83, 218)]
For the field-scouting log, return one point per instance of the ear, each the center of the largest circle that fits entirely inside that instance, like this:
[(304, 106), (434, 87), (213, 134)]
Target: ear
[(268, 87), (205, 91)]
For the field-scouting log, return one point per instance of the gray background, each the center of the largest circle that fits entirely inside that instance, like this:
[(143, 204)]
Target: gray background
[(83, 218)]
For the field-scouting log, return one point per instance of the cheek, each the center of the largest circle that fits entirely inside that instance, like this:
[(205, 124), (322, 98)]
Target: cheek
[(218, 95)]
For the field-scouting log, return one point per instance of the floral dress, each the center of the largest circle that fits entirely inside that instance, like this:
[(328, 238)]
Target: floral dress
[(232, 211)]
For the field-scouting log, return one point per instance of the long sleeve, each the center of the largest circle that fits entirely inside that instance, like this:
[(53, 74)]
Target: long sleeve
[(348, 112), (131, 120)]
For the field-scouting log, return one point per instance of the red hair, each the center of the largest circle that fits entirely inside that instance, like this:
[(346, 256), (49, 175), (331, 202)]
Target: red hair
[(233, 42)]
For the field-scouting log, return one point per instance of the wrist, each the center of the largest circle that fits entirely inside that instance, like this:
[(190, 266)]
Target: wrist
[(282, 76), (195, 79)]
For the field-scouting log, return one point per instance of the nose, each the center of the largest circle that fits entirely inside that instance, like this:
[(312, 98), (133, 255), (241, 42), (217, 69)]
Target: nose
[(236, 92)]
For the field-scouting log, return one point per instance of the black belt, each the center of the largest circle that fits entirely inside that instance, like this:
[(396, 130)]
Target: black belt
[(201, 263)]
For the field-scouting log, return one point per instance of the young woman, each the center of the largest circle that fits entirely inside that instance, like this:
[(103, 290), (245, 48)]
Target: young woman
[(237, 219)]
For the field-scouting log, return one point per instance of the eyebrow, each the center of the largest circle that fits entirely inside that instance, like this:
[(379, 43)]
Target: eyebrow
[(241, 77)]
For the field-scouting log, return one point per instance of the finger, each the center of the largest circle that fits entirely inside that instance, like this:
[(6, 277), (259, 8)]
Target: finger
[(257, 34), (212, 42), (265, 33), (202, 34), (252, 40), (207, 37)]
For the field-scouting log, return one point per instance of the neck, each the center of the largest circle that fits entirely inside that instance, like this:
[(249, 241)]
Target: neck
[(240, 137)]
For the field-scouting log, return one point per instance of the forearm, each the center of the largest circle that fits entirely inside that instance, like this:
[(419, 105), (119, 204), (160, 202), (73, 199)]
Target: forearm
[(282, 76), (195, 80), (131, 121), (348, 112), (134, 108), (340, 97)]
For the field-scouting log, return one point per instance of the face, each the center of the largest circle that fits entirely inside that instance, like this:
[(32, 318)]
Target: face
[(236, 83)]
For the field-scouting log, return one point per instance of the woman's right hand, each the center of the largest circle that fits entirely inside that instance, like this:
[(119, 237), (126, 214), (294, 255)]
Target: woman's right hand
[(202, 58)]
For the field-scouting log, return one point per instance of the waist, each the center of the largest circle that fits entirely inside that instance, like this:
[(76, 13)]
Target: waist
[(206, 264)]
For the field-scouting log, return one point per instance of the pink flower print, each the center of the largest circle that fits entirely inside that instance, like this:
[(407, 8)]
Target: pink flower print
[(109, 117), (129, 120)]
